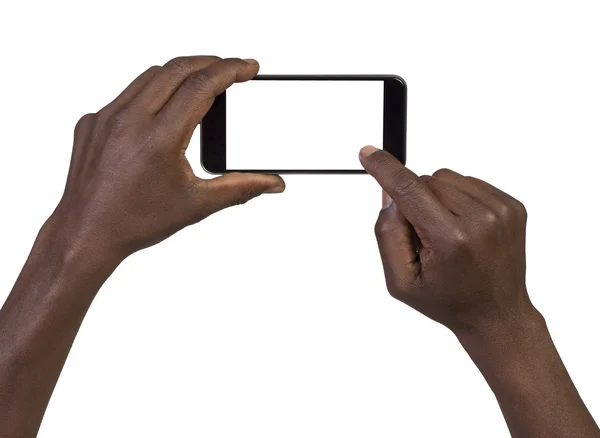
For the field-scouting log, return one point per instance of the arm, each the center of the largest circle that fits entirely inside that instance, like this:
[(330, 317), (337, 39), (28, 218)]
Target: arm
[(534, 390), (453, 248), (39, 321), (129, 187)]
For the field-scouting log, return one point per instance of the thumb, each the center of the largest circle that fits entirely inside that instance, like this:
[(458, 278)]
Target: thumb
[(236, 188)]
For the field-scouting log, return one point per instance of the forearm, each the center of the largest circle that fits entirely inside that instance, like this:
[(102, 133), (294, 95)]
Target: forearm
[(532, 386), (39, 322)]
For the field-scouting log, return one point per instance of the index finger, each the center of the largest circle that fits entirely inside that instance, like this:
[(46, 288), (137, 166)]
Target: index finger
[(190, 103), (412, 197)]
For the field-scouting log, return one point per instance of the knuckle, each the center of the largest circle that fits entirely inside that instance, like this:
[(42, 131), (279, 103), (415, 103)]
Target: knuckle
[(504, 211), (244, 196), (179, 65), (472, 179), (85, 121), (380, 228), (200, 81), (403, 183), (397, 287), (213, 58), (387, 226), (234, 61), (392, 288), (491, 217), (443, 172), (431, 182), (116, 122), (458, 240), (520, 209)]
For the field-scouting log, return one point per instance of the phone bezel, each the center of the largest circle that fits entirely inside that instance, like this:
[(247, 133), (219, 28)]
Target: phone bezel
[(213, 142)]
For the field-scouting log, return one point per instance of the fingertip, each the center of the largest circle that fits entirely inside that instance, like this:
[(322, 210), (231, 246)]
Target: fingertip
[(367, 150), (278, 185), (251, 69), (275, 189), (262, 183)]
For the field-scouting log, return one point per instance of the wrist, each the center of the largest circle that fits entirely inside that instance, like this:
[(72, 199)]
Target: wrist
[(507, 322), (73, 249), (508, 347), (511, 326), (58, 283), (504, 333)]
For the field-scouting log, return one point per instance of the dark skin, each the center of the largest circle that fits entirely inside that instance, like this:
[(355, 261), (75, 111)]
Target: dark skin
[(452, 247)]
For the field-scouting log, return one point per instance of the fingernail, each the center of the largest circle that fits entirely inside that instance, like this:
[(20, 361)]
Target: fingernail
[(275, 189), (368, 150), (251, 61), (386, 200)]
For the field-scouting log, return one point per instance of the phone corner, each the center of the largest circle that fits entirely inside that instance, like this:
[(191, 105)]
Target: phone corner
[(209, 170), (399, 79)]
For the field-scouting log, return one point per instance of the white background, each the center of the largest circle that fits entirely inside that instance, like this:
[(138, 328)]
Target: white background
[(302, 124), (272, 319)]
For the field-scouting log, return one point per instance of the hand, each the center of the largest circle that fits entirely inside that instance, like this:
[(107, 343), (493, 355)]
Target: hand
[(452, 247), (130, 184)]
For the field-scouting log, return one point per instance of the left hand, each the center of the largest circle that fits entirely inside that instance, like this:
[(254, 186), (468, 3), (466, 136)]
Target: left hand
[(130, 185)]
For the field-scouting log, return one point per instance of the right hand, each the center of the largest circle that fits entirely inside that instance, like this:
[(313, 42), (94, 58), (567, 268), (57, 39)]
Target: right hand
[(453, 247)]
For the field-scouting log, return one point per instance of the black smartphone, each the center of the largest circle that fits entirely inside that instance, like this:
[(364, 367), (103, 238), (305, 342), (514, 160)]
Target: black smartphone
[(303, 123)]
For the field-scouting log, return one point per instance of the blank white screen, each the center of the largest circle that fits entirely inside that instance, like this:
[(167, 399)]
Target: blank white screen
[(312, 125)]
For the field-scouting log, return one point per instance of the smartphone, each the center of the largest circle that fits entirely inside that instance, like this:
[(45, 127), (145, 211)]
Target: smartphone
[(303, 123)]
